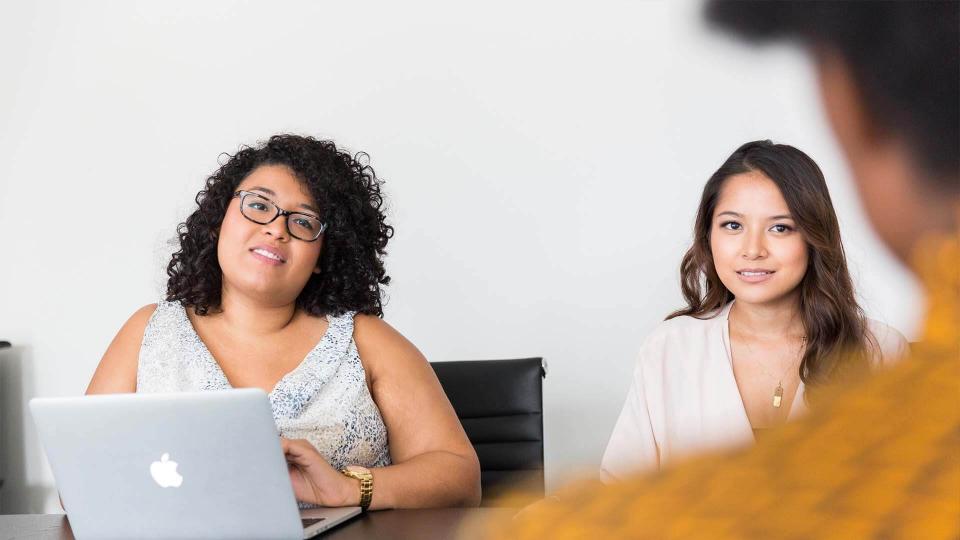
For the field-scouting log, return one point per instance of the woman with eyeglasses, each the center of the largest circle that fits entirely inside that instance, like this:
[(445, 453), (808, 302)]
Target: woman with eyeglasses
[(277, 285), (771, 317)]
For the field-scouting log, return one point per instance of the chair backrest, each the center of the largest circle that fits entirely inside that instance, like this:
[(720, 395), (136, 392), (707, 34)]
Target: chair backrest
[(500, 404)]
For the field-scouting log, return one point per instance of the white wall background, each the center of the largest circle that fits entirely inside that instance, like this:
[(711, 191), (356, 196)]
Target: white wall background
[(543, 163)]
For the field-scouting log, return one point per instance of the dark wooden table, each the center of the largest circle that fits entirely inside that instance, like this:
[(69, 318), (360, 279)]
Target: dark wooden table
[(385, 524)]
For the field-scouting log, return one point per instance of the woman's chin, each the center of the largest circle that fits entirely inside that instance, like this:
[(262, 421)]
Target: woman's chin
[(760, 297)]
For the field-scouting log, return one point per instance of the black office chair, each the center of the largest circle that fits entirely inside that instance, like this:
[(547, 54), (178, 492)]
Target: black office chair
[(500, 404)]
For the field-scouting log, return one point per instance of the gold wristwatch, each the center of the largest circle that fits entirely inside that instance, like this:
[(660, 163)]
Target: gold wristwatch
[(365, 477)]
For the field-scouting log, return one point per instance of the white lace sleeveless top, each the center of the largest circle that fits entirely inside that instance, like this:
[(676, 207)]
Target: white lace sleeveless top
[(324, 400)]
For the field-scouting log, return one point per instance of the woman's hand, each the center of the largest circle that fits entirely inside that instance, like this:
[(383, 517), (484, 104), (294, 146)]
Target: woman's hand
[(314, 480)]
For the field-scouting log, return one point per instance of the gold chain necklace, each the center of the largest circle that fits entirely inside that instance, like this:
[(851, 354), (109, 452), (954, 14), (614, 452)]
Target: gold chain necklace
[(778, 391)]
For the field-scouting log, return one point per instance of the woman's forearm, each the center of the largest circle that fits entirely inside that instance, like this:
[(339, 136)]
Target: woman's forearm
[(432, 479)]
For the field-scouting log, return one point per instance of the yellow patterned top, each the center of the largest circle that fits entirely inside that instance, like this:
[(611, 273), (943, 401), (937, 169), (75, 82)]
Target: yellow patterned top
[(879, 458)]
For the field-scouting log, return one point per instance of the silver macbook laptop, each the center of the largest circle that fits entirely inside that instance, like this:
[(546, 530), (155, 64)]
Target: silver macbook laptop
[(185, 465)]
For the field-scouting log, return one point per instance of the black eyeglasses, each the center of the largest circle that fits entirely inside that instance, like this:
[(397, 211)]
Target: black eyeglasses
[(262, 210)]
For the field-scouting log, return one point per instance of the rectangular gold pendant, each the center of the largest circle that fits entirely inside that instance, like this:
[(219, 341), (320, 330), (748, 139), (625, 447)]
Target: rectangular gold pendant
[(778, 396)]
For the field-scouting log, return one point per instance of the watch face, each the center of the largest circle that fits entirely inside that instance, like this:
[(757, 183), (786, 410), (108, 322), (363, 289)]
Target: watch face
[(358, 469)]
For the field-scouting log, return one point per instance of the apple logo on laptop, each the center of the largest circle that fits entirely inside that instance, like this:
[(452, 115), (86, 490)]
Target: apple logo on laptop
[(164, 472)]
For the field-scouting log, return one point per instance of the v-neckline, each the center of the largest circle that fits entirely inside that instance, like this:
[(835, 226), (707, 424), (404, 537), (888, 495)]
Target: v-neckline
[(218, 369), (724, 319)]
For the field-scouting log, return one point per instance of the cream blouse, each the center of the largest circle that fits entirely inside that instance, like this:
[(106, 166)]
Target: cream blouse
[(684, 398)]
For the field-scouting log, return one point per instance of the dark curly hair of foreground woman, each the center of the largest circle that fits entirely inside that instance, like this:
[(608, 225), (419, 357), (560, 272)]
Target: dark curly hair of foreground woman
[(348, 196)]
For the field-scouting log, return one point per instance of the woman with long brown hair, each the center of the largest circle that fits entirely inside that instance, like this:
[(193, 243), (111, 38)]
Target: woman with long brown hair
[(771, 316)]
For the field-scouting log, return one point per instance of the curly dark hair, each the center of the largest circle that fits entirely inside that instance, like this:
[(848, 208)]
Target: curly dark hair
[(348, 196)]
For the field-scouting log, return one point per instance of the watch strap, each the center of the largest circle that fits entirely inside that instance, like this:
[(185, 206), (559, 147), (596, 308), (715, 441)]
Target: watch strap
[(366, 486)]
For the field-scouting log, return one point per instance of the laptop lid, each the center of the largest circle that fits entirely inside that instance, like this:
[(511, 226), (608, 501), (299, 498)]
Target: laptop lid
[(184, 465)]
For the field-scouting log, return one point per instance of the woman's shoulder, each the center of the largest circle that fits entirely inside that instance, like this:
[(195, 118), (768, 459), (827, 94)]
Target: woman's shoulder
[(132, 330), (165, 314), (383, 350), (684, 327), (377, 337), (117, 371), (892, 345), (148, 310), (678, 337), (140, 318), (370, 331)]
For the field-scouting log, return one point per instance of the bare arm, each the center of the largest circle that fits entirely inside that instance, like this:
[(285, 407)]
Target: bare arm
[(434, 463), (117, 372)]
